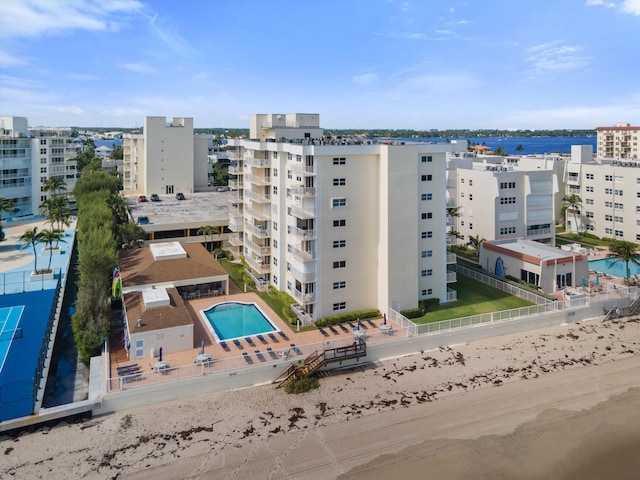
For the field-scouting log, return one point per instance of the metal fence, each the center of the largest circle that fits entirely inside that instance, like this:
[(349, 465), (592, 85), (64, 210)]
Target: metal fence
[(24, 281)]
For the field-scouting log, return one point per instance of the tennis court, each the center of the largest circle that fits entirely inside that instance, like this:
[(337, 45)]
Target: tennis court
[(9, 321)]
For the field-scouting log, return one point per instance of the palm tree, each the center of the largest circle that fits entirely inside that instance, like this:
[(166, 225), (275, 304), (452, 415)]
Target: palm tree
[(48, 237), (571, 202), (54, 184), (625, 252), (207, 230), (31, 238), (475, 242), (6, 206)]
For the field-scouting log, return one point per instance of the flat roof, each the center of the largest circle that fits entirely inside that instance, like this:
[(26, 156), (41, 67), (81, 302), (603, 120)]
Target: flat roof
[(534, 249), (202, 208)]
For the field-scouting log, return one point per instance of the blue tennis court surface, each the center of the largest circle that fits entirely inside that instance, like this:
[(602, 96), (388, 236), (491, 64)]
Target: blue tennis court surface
[(9, 320), (22, 356)]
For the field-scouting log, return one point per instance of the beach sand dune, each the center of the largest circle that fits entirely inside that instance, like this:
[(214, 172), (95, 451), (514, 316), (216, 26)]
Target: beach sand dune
[(529, 405)]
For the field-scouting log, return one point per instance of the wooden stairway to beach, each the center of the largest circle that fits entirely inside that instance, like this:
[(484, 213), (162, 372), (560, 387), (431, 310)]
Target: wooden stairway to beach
[(316, 361)]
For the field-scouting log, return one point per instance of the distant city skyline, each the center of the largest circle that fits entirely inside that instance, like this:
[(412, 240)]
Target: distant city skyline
[(527, 64)]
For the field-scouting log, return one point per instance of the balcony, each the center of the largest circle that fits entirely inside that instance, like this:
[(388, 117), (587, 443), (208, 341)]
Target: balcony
[(260, 232), (234, 240), (259, 250), (257, 214), (302, 234), (303, 277), (236, 223), (237, 197), (257, 264), (257, 196), (236, 251), (235, 170), (301, 191), (257, 180), (451, 240), (257, 162), (300, 212), (303, 255), (538, 232), (452, 295), (451, 258), (236, 183), (451, 276), (305, 170), (304, 298)]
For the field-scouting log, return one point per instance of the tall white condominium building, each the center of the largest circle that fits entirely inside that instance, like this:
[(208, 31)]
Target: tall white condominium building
[(29, 157), (498, 198), (340, 224), (609, 191), (165, 158), (621, 141)]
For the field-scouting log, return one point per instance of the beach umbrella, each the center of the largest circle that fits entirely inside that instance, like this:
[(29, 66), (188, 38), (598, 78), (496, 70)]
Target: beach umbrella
[(584, 282), (160, 355), (384, 318), (597, 280), (358, 324), (202, 349)]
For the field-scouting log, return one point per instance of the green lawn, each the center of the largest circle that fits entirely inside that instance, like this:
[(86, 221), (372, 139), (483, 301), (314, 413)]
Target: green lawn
[(473, 298)]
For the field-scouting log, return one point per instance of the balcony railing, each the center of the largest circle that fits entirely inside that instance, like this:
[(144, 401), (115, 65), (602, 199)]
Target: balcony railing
[(451, 277), (304, 298), (257, 162), (257, 180), (539, 231), (451, 258), (236, 223), (302, 233), (303, 212), (257, 214), (236, 183), (259, 250), (257, 196), (452, 240), (301, 191), (257, 264), (452, 295), (260, 232), (235, 170), (303, 277), (234, 240), (303, 255), (303, 169)]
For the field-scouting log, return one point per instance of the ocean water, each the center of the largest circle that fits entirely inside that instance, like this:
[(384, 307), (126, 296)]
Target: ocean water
[(530, 145)]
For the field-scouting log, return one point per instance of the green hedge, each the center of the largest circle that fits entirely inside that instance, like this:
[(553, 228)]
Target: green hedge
[(412, 313), (347, 317)]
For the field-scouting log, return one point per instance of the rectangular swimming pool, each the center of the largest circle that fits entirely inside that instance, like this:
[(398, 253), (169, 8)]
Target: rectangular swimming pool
[(606, 265), (231, 320)]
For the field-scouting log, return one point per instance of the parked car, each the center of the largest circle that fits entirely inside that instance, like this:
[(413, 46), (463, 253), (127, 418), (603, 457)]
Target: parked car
[(155, 197), (180, 196), (142, 198)]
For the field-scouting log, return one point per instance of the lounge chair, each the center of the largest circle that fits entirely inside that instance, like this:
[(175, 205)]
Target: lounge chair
[(295, 349), (323, 332), (333, 330), (247, 358), (237, 343), (250, 341), (343, 328), (353, 327), (283, 335), (224, 345), (273, 354), (272, 337), (371, 324), (261, 338), (260, 356)]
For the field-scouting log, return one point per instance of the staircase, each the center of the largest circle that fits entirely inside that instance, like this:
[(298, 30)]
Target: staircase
[(633, 309)]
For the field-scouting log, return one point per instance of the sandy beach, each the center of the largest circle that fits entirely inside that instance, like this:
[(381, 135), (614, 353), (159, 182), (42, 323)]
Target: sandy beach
[(562, 402)]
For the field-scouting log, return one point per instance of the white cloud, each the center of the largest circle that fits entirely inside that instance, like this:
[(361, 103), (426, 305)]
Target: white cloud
[(631, 6), (438, 83), (365, 79), (137, 67), (553, 57), (169, 35), (70, 109), (592, 3), (8, 60), (32, 18)]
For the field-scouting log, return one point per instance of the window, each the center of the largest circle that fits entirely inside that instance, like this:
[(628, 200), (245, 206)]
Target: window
[(43, 160), (43, 151), (429, 291), (339, 182), (424, 234), (619, 233), (340, 264), (339, 306), (424, 292), (275, 190), (608, 191), (589, 214), (275, 261), (470, 196), (619, 206), (426, 196), (508, 231), (43, 169), (589, 189), (339, 161), (507, 200), (289, 174), (470, 226), (427, 215), (427, 178), (608, 178), (426, 253), (507, 184), (608, 204), (427, 158), (429, 272), (589, 201), (589, 176), (424, 273), (427, 234), (275, 244), (619, 219), (608, 231), (275, 226), (470, 182), (275, 171), (339, 223), (338, 202), (618, 192), (339, 285), (339, 243), (608, 218)]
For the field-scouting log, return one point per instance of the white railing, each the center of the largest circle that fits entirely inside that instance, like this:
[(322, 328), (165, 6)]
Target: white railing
[(451, 258), (452, 295), (301, 233), (303, 212), (303, 191), (451, 277)]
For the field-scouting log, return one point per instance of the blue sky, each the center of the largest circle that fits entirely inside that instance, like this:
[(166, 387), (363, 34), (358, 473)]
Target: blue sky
[(359, 64)]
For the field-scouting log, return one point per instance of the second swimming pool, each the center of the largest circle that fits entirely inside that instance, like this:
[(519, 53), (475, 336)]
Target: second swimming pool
[(231, 320)]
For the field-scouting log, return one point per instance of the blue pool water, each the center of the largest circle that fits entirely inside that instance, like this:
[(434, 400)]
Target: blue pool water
[(605, 265), (236, 320)]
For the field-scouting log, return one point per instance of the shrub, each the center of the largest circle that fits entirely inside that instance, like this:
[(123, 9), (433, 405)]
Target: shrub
[(412, 313), (302, 385), (428, 303), (347, 317)]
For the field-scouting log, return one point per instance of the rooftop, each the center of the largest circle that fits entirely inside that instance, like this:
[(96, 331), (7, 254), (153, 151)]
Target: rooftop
[(531, 248)]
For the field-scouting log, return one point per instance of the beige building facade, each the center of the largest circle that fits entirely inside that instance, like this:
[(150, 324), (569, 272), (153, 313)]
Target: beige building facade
[(621, 141), (341, 225)]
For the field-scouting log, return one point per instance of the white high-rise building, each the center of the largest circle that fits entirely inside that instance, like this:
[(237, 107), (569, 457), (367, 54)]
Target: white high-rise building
[(29, 157), (621, 141), (166, 158), (340, 224), (609, 191)]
